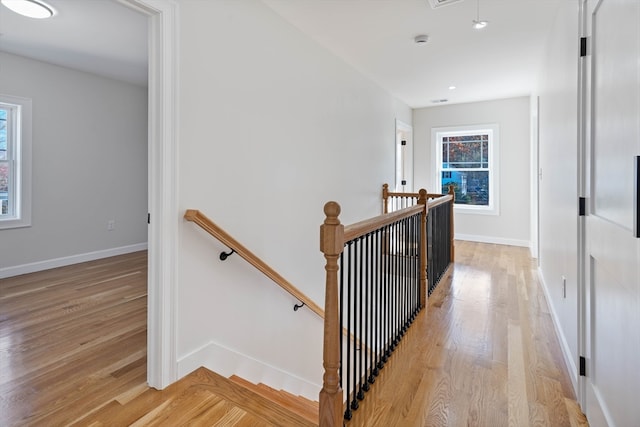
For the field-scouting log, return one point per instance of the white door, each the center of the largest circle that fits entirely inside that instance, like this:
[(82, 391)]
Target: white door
[(612, 263)]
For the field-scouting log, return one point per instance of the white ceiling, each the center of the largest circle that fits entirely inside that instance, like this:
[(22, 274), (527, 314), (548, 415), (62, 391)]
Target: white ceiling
[(374, 36), (97, 36), (377, 38)]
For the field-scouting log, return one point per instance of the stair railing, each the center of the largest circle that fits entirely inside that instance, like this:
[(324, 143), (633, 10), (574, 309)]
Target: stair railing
[(440, 248), (393, 201), (438, 234), (375, 286), (210, 227)]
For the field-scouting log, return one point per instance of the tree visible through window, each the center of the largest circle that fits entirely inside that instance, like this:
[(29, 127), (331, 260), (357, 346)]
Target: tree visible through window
[(465, 164), (466, 160)]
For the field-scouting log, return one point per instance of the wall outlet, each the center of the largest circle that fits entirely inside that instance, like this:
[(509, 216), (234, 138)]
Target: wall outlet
[(111, 225), (564, 287)]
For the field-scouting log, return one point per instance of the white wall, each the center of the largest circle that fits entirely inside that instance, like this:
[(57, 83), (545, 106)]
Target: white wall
[(512, 224), (558, 186), (272, 126), (89, 166)]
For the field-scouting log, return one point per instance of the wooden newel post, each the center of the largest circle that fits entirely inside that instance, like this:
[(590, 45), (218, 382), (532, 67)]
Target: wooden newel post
[(385, 198), (331, 244), (453, 200), (422, 200)]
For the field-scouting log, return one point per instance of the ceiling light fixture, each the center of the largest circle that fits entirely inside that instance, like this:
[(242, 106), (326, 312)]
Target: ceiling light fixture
[(421, 39), (30, 8), (478, 24)]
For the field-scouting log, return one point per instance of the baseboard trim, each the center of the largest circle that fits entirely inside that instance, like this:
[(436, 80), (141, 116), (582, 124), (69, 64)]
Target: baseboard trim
[(494, 240), (227, 362), (69, 260), (564, 345)]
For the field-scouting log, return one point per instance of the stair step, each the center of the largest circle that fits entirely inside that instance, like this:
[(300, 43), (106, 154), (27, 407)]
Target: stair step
[(200, 398), (297, 404)]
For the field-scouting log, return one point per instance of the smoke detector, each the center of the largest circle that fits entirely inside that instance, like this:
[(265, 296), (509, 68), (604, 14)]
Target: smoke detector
[(421, 39), (439, 3)]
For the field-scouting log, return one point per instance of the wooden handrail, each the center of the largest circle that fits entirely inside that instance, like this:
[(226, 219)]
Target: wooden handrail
[(361, 228), (445, 198), (210, 227)]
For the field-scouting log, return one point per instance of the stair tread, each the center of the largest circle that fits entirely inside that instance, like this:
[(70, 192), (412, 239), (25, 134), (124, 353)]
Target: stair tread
[(298, 404)]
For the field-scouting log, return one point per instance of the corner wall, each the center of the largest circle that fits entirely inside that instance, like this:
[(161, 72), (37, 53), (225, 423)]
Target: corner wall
[(89, 166), (512, 224), (558, 183)]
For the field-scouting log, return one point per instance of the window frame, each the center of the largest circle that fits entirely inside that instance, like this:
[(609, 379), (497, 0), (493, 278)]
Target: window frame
[(19, 141), (492, 129)]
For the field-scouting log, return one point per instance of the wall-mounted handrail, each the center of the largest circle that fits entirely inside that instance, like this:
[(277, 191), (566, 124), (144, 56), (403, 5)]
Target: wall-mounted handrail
[(210, 227)]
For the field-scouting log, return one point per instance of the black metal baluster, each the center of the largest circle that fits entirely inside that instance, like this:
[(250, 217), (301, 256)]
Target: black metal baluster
[(386, 303), (373, 312), (367, 312), (360, 336), (341, 314), (348, 414), (379, 305), (354, 401), (405, 275), (395, 287)]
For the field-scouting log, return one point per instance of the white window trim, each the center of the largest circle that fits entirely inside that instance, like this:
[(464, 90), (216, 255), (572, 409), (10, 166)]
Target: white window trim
[(22, 188), (494, 165)]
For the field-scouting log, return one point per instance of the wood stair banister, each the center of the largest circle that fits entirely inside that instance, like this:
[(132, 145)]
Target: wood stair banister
[(210, 227)]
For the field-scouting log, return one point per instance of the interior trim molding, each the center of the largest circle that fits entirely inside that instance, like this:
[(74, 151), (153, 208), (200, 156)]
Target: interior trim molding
[(163, 188), (33, 267)]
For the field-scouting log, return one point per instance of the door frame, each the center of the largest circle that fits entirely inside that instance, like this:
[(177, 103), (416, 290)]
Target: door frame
[(404, 131), (584, 112), (162, 188)]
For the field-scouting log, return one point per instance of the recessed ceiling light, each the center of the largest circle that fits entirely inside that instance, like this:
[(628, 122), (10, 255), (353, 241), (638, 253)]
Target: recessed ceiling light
[(452, 88), (478, 25), (30, 8)]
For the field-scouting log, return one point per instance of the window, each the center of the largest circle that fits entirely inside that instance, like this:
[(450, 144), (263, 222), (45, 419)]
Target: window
[(466, 157), (15, 162)]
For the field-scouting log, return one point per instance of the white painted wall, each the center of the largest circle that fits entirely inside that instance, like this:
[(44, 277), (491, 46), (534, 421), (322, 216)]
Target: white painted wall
[(272, 126), (89, 166), (512, 225), (558, 185)]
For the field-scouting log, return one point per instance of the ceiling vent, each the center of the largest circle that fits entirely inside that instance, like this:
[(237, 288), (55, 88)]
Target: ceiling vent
[(439, 3)]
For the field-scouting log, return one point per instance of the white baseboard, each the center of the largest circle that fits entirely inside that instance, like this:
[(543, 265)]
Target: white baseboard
[(68, 260), (495, 240), (227, 362), (564, 345)]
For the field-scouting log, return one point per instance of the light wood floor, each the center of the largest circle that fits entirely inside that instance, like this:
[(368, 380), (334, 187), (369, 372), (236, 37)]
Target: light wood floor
[(72, 339), (484, 353)]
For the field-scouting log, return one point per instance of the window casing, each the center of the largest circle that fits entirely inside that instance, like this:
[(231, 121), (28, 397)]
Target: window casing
[(467, 158), (15, 162)]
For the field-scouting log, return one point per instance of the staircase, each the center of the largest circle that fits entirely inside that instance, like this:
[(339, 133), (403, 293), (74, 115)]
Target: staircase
[(206, 398)]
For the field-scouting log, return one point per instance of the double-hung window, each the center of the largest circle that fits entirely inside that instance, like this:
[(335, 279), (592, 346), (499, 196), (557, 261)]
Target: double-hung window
[(15, 162), (466, 157)]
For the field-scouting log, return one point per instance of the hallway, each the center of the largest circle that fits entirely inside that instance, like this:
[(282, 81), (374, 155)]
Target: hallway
[(484, 353)]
